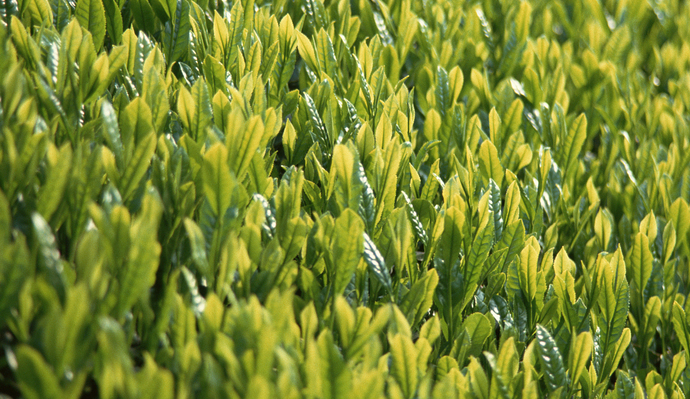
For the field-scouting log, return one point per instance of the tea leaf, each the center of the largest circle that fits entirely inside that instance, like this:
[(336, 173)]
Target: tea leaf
[(641, 261), (403, 364), (347, 247), (91, 15), (572, 144), (551, 359), (218, 182), (489, 163)]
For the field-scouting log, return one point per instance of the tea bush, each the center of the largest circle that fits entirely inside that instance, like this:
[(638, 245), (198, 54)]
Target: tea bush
[(344, 198)]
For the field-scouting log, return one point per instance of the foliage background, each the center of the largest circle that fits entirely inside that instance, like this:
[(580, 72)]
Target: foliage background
[(324, 199)]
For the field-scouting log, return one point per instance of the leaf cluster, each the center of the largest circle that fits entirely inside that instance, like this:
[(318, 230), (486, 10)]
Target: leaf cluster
[(344, 198)]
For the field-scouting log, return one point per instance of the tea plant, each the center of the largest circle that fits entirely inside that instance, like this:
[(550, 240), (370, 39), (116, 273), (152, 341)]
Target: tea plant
[(334, 199)]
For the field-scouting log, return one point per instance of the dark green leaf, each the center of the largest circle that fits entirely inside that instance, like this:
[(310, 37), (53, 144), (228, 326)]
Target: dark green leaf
[(551, 360)]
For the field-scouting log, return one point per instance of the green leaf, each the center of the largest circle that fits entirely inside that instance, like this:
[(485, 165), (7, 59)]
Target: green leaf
[(319, 132), (139, 274), (451, 240), (203, 115), (679, 213), (287, 200), (177, 30), (235, 28), (218, 182), (135, 125), (528, 271), (243, 142), (367, 207), (513, 239), (478, 329), (215, 74), (40, 11), (288, 56), (347, 246), (431, 329), (456, 81), (476, 260), (505, 367), (572, 144), (306, 51), (91, 15), (499, 386), (512, 120), (495, 208), (316, 14), (61, 13), (603, 227), (14, 267), (678, 367), (335, 375), (187, 111), (669, 239), (616, 312), (613, 356), (430, 188), (50, 196), (325, 54), (347, 191), (532, 89), (387, 187), (137, 166), (418, 300), (580, 354), (490, 164), (113, 21), (433, 131), (624, 386), (376, 264), (143, 14), (551, 359), (495, 127), (641, 262), (681, 327), (652, 314), (49, 256), (417, 226), (112, 133), (443, 99), (198, 246), (404, 364), (450, 292), (36, 378)]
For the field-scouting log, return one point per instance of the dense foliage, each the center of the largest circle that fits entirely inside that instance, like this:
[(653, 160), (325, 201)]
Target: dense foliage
[(353, 198)]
